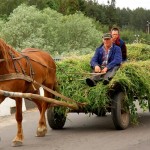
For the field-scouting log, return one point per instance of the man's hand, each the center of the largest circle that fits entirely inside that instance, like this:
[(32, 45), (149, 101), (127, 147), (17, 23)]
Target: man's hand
[(104, 70), (97, 69)]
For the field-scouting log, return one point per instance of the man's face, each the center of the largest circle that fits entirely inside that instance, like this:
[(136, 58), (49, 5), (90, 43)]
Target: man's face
[(115, 35), (107, 42)]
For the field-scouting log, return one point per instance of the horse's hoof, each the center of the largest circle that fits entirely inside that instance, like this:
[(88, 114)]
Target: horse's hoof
[(41, 132), (40, 135), (16, 143)]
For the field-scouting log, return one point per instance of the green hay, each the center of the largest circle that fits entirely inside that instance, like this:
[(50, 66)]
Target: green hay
[(133, 78), (137, 52), (72, 83)]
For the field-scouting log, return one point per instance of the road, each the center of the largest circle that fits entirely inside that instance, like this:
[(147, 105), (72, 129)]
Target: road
[(80, 132)]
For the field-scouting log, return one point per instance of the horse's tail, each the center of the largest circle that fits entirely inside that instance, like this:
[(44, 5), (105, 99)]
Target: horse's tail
[(56, 86)]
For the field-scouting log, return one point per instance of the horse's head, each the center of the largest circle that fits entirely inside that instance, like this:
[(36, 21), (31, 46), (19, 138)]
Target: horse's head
[(4, 52)]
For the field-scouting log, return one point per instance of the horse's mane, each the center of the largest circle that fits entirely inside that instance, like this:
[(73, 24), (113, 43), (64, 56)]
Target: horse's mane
[(5, 49)]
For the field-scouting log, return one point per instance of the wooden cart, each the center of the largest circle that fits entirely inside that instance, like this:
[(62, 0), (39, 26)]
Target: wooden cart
[(118, 108)]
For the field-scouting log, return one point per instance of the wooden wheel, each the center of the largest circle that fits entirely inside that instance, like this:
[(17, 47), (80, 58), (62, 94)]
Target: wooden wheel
[(56, 119), (120, 111)]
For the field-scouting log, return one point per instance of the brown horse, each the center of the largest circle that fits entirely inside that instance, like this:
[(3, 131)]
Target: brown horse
[(14, 67)]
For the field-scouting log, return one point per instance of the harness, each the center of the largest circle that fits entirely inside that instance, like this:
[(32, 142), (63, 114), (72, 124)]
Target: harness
[(22, 75), (30, 78)]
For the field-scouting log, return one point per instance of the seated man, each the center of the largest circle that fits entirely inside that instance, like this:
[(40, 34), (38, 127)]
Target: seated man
[(119, 42), (106, 60)]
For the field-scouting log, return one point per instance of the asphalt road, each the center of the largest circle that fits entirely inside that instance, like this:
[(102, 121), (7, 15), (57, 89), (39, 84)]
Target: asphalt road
[(81, 132)]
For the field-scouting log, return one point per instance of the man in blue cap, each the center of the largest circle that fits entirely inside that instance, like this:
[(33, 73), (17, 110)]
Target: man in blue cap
[(106, 61)]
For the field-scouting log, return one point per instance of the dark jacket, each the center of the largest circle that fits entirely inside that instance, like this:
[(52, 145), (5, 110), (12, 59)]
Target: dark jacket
[(119, 42), (114, 58)]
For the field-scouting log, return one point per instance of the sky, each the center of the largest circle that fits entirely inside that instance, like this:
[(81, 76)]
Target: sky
[(132, 4)]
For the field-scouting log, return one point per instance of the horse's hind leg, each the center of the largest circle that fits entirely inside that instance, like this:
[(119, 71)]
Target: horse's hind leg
[(42, 128), (18, 140)]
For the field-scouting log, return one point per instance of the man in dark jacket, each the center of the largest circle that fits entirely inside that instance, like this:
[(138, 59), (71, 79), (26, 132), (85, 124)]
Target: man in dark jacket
[(106, 60), (116, 39)]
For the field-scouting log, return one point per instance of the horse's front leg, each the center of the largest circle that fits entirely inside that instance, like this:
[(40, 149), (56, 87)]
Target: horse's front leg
[(42, 127), (18, 140)]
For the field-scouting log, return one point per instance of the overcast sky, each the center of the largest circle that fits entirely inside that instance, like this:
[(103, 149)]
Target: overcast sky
[(132, 4)]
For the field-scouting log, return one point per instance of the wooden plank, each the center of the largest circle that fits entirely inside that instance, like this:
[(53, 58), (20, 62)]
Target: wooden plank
[(39, 97)]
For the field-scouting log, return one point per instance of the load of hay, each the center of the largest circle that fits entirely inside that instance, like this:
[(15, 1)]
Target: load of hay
[(133, 77)]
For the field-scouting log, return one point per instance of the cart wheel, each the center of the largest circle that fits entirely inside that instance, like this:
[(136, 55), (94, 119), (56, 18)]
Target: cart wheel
[(101, 112), (56, 119), (120, 111)]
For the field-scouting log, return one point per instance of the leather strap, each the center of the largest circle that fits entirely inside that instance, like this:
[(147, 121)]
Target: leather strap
[(13, 76)]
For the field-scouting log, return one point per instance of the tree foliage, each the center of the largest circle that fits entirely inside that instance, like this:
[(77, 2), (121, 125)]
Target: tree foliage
[(50, 30), (131, 22), (105, 14)]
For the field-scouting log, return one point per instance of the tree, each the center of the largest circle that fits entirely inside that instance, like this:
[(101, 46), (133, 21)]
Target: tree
[(139, 18), (8, 6), (113, 3), (72, 6), (40, 4), (49, 30)]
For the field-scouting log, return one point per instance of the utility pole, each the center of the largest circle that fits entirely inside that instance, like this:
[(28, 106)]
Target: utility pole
[(148, 24)]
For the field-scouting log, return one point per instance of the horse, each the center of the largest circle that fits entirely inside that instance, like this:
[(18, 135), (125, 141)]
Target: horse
[(14, 68)]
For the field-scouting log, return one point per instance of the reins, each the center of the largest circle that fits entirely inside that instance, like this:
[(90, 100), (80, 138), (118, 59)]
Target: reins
[(16, 58), (24, 56)]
